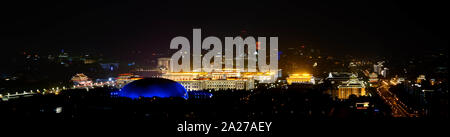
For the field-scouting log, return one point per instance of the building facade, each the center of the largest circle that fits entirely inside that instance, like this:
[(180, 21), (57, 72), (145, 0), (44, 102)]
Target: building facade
[(225, 84), (351, 87), (300, 79), (231, 80)]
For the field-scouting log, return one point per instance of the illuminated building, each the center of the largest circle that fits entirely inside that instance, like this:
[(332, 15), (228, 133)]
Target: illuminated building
[(89, 61), (262, 77), (377, 68), (126, 78), (229, 79), (224, 84), (338, 77), (420, 78), (384, 72), (183, 76), (300, 79), (153, 87), (373, 78), (81, 80), (362, 105), (330, 75), (192, 85), (163, 64), (351, 87), (432, 82)]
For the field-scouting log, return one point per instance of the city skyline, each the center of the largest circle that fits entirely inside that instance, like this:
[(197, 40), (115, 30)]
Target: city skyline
[(201, 68)]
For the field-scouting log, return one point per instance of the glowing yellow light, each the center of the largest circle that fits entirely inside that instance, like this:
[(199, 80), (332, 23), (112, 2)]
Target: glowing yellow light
[(299, 78)]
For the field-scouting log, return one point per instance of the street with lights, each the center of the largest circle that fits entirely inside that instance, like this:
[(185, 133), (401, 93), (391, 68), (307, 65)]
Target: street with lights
[(399, 109)]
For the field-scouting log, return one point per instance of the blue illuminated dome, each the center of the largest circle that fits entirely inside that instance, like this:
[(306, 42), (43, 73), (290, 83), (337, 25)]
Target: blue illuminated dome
[(153, 87)]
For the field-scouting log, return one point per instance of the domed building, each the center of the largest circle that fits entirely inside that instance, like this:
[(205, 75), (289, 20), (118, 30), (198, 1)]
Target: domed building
[(153, 87)]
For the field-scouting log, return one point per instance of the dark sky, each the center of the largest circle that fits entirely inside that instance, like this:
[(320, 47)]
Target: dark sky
[(115, 28)]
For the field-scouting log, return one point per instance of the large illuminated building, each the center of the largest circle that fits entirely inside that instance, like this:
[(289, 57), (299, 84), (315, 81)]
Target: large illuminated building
[(219, 84), (220, 79), (225, 79), (300, 79), (232, 80), (351, 87), (81, 80)]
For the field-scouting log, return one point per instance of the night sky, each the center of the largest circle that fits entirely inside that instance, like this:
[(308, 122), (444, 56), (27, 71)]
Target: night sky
[(116, 28)]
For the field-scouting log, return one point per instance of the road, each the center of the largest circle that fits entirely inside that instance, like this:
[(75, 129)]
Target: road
[(399, 109)]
